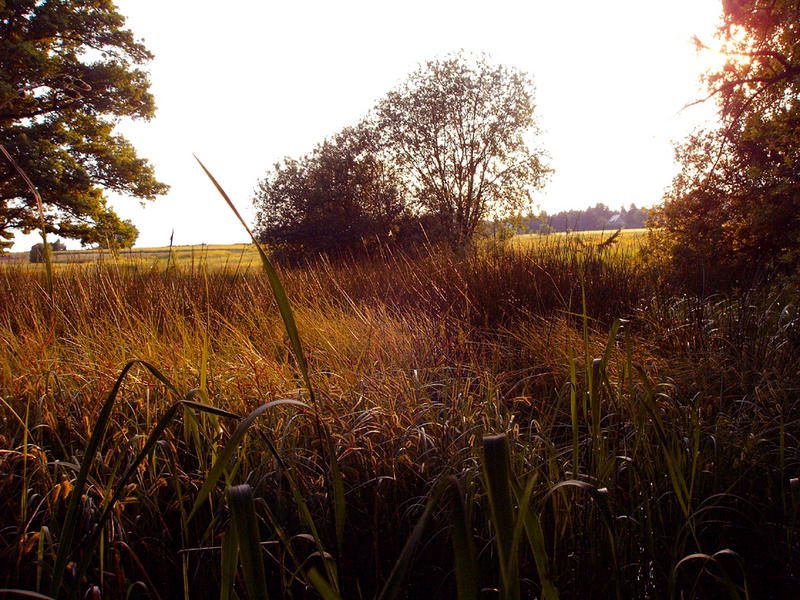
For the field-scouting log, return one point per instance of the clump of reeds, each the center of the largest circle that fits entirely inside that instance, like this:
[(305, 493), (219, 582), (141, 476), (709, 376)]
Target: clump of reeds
[(332, 447)]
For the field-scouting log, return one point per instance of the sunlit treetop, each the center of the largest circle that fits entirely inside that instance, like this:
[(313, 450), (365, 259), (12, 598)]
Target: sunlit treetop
[(733, 212), (759, 39), (68, 72)]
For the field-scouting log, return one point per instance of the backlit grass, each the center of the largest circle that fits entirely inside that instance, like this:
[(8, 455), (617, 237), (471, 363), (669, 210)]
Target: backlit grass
[(651, 457)]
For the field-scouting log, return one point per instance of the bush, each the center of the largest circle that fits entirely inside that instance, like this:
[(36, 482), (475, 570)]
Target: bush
[(340, 197), (37, 254)]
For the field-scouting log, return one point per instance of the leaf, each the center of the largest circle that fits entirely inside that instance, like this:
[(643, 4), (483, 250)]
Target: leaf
[(497, 475), (463, 545), (228, 451), (394, 584), (533, 530), (245, 523), (275, 283), (321, 585)]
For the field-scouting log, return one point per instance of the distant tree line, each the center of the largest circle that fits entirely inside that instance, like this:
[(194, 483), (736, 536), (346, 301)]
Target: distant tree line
[(433, 159), (592, 218)]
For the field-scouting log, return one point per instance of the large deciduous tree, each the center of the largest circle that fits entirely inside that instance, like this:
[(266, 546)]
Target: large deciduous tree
[(735, 206), (457, 127), (340, 196), (68, 72)]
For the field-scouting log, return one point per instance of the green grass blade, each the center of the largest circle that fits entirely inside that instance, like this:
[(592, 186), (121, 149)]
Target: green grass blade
[(573, 410), (610, 342), (43, 533), (305, 514), (244, 520), (284, 306), (229, 558), (339, 504), (497, 475), (321, 585), (466, 564), (672, 459), (228, 451), (600, 497), (394, 584), (277, 288), (535, 535), (23, 504)]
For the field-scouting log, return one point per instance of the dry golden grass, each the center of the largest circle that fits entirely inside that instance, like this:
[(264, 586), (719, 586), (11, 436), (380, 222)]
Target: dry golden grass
[(413, 360)]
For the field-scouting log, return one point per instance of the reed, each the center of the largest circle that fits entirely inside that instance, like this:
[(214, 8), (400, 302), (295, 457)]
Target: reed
[(493, 423)]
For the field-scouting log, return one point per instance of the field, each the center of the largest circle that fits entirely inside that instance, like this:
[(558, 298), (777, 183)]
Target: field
[(214, 257), (238, 256), (625, 239), (536, 419)]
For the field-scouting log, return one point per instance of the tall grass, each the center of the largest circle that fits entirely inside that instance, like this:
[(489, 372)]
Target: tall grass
[(650, 457)]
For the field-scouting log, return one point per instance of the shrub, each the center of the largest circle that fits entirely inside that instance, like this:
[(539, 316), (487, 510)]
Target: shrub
[(37, 255)]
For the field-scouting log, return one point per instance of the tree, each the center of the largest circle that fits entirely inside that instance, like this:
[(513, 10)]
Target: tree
[(339, 196), (68, 72), (37, 253), (456, 127), (735, 206)]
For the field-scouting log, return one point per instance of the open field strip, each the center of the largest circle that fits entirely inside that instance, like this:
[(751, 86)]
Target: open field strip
[(233, 256)]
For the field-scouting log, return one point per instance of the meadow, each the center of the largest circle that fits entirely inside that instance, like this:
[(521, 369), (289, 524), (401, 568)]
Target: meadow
[(214, 257), (538, 418)]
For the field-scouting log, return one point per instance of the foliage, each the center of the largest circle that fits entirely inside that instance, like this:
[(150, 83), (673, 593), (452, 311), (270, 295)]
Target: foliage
[(340, 196), (68, 72), (37, 253), (457, 128), (439, 155), (733, 212), (592, 218)]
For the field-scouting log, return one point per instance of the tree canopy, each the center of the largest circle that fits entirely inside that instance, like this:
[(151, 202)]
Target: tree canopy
[(457, 127), (68, 72), (339, 196), (735, 205), (438, 156)]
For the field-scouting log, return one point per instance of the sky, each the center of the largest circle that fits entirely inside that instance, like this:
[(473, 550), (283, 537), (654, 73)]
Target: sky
[(242, 88)]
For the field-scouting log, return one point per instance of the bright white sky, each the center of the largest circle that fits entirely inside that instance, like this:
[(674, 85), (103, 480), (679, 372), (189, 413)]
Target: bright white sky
[(244, 87)]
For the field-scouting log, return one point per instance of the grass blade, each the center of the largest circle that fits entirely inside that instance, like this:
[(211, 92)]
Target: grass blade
[(463, 545), (394, 584), (275, 283), (48, 265), (24, 594), (228, 451), (284, 306), (228, 560), (497, 475), (600, 497), (245, 522), (533, 530), (321, 585)]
